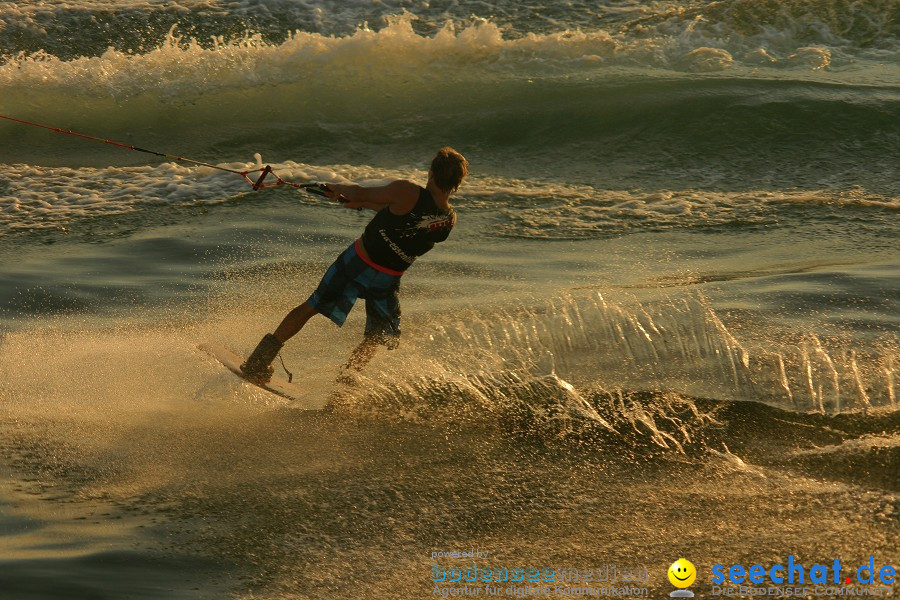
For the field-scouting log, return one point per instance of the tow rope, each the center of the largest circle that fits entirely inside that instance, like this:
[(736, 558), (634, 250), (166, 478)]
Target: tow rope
[(257, 183)]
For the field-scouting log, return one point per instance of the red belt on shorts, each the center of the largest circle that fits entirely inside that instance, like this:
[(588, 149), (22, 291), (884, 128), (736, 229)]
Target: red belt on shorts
[(375, 266)]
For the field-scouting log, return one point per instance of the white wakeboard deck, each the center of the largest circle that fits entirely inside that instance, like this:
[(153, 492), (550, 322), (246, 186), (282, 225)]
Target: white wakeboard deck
[(301, 398)]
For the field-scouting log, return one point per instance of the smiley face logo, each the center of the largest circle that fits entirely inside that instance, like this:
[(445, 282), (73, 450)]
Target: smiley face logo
[(682, 573)]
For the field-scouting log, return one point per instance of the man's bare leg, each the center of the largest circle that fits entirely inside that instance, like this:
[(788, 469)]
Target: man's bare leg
[(359, 358), (258, 366), (361, 355), (294, 322)]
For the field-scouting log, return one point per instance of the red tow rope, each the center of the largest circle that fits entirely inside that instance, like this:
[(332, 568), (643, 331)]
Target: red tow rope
[(318, 189)]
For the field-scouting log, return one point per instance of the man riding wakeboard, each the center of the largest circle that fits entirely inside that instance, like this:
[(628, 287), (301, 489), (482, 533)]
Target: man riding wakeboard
[(409, 220)]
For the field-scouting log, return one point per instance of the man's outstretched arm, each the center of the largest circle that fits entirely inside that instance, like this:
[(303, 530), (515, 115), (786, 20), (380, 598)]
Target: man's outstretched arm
[(400, 195)]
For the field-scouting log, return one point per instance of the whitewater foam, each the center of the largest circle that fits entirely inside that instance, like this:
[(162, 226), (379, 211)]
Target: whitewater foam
[(181, 65), (34, 198)]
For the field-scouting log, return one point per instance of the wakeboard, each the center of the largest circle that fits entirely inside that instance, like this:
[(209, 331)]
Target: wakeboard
[(300, 397)]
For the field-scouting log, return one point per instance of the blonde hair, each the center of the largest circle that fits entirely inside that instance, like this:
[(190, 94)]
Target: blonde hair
[(449, 168)]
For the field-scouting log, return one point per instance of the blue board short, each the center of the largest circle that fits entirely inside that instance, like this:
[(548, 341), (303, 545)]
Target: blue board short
[(349, 278)]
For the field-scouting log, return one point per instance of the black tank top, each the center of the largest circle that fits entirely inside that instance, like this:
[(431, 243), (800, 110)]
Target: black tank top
[(394, 241)]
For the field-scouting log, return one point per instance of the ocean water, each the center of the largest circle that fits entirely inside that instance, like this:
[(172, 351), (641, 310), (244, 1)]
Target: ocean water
[(665, 326)]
